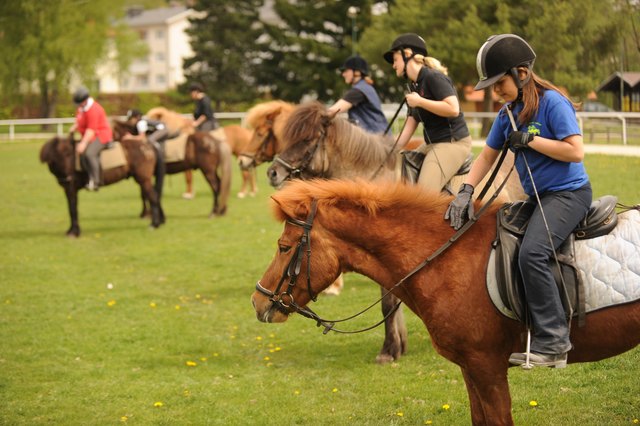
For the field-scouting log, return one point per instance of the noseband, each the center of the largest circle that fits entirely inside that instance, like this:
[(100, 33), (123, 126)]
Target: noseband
[(268, 141), (296, 171), (284, 300)]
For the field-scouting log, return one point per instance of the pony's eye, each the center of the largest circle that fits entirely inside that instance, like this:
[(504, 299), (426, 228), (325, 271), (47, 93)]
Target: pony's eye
[(283, 249)]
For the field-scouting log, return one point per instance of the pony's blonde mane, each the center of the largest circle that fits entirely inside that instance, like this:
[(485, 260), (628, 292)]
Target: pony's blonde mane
[(174, 120), (373, 197), (257, 114)]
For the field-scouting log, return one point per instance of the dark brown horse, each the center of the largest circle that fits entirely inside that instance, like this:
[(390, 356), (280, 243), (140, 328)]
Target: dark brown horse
[(203, 152), (384, 231), (60, 155)]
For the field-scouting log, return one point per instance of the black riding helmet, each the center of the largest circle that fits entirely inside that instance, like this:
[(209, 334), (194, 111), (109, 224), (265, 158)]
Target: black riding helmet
[(80, 95), (133, 113), (502, 54), (404, 41), (355, 63)]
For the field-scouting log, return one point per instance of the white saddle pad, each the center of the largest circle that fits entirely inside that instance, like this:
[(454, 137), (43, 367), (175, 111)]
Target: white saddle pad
[(610, 266)]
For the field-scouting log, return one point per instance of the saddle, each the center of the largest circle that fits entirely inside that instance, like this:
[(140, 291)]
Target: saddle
[(175, 148), (512, 223), (110, 157)]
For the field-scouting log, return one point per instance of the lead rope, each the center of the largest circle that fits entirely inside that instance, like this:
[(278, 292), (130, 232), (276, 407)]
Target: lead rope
[(527, 364)]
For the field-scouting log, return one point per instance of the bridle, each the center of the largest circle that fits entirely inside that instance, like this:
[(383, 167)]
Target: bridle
[(269, 141), (284, 300), (295, 171)]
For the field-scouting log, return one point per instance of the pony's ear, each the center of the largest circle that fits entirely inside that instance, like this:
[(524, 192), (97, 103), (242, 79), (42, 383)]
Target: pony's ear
[(284, 209), (332, 114), (273, 114)]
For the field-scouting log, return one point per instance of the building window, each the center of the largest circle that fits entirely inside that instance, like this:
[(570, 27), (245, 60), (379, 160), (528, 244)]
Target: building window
[(142, 80), (143, 34), (159, 33), (160, 79), (160, 56)]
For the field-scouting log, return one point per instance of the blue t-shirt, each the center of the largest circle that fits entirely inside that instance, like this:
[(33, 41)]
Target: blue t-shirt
[(556, 119)]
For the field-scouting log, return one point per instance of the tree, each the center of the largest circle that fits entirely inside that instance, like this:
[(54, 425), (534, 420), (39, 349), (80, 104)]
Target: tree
[(45, 43), (223, 44), (298, 55)]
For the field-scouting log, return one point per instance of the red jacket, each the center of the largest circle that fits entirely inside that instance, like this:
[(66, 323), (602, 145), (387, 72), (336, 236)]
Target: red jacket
[(95, 119)]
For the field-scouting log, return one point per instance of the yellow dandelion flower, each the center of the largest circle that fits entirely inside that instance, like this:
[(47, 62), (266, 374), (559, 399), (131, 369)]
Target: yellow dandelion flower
[(177, 307), (296, 392), (533, 403), (272, 335), (266, 358), (198, 296), (216, 354), (158, 404), (445, 407), (636, 421), (191, 364), (123, 419), (203, 359), (258, 338), (269, 364), (400, 414), (111, 303), (271, 351), (428, 422), (334, 390), (187, 392), (152, 304), (278, 348)]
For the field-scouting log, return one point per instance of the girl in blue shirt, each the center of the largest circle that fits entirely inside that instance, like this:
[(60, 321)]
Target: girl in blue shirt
[(549, 138)]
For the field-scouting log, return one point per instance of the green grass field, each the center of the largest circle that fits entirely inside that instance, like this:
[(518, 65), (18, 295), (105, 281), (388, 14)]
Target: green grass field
[(128, 325)]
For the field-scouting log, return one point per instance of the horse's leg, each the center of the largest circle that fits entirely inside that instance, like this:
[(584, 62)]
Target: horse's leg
[(488, 389), (213, 179), (71, 192), (395, 336), (145, 204), (148, 192)]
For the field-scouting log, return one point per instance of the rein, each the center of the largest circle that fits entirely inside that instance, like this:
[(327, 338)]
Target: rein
[(269, 140)]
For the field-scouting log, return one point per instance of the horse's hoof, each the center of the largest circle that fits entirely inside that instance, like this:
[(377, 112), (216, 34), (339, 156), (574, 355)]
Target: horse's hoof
[(384, 359)]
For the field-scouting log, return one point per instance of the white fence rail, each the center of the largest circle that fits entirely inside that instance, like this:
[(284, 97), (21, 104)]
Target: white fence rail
[(596, 126)]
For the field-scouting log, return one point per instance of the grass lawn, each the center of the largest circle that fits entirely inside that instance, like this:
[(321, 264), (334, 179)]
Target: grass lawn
[(128, 325)]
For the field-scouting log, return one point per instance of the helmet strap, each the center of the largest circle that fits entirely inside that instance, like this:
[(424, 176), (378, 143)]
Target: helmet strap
[(406, 60), (519, 83)]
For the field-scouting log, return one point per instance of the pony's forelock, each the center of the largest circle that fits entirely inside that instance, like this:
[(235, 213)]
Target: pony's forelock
[(256, 114)]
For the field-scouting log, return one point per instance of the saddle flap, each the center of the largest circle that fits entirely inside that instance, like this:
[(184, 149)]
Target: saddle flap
[(175, 149), (110, 157)]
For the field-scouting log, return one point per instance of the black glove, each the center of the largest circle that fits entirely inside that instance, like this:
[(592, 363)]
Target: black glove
[(520, 140), (461, 208)]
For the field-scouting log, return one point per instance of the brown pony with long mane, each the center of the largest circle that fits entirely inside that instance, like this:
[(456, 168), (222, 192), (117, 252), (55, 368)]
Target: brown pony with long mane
[(320, 144), (203, 152), (59, 153), (384, 231), (267, 121)]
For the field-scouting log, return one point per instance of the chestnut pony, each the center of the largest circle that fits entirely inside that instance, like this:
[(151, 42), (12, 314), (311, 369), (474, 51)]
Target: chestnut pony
[(203, 152), (321, 145), (267, 121), (384, 231), (59, 154)]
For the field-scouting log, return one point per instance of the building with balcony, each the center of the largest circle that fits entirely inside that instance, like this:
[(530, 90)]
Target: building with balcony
[(160, 69)]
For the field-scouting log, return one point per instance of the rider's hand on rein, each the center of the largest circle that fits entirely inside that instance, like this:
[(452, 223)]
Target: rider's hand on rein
[(461, 208)]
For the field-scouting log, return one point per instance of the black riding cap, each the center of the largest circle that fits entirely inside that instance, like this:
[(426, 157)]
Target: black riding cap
[(355, 63), (403, 41), (498, 55), (80, 95)]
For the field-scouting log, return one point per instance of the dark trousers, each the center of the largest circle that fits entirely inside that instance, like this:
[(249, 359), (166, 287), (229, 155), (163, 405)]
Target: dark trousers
[(563, 211), (90, 160), (157, 139)]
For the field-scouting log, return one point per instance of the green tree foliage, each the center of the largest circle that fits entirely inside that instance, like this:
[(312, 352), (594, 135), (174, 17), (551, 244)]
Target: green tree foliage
[(299, 54), (45, 43), (576, 42), (223, 44)]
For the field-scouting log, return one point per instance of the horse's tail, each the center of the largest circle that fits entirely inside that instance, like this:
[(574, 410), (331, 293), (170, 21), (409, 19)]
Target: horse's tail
[(225, 173)]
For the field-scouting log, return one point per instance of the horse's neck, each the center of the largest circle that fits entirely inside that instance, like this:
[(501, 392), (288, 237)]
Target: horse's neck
[(364, 155)]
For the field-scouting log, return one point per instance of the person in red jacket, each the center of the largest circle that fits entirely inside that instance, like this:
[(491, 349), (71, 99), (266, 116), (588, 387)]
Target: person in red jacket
[(93, 125)]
